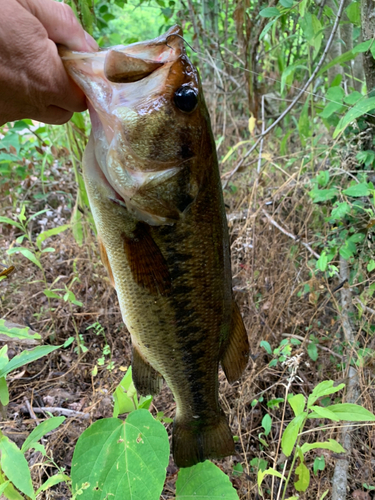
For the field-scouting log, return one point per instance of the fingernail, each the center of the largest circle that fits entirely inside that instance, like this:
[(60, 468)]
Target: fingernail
[(91, 42)]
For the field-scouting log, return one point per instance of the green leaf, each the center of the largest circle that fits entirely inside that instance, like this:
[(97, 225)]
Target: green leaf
[(331, 444), (332, 107), (290, 434), (51, 295), (363, 46), (335, 94), (353, 98), (263, 474), (319, 464), (304, 124), (322, 262), (357, 238), (52, 481), (304, 477), (4, 393), (323, 178), (118, 460), (15, 467), (204, 481), (266, 346), (325, 388), (3, 356), (357, 190), (351, 412), (26, 357), (40, 430), (125, 395), (360, 109), (287, 3), (323, 413), (345, 57), (297, 403), (302, 7), (319, 195), (11, 493), (353, 11), (26, 253), (347, 250), (270, 12), (13, 330), (6, 220), (51, 232), (267, 424), (371, 265), (312, 351), (340, 210)]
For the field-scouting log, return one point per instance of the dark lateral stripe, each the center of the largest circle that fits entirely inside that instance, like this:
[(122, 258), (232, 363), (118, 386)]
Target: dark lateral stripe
[(147, 264)]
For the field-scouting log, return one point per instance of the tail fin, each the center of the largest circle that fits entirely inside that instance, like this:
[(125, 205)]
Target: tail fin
[(196, 441)]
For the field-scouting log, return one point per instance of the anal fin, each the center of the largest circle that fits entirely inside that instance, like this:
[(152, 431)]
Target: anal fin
[(236, 353), (145, 378)]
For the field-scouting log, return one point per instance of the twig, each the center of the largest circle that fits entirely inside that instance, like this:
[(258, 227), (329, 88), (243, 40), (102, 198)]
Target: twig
[(366, 308), (340, 475), (51, 409), (274, 223), (30, 410), (297, 98)]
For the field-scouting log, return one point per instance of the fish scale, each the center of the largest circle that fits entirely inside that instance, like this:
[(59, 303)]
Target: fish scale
[(153, 183)]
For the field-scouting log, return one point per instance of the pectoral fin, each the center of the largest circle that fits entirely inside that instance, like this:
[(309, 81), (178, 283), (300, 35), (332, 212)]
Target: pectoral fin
[(146, 379), (236, 353), (105, 260), (148, 265)]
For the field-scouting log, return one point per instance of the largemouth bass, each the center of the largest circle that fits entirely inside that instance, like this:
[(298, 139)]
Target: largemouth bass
[(152, 178)]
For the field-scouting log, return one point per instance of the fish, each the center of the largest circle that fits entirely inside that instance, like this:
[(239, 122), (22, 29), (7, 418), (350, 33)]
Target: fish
[(151, 173)]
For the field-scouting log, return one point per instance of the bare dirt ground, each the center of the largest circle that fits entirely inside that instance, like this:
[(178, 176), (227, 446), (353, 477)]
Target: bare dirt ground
[(270, 274)]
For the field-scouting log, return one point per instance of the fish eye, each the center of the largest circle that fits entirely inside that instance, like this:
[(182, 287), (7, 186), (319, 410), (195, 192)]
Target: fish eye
[(186, 99)]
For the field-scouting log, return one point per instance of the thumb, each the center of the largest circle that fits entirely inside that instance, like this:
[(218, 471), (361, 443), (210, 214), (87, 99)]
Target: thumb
[(61, 24)]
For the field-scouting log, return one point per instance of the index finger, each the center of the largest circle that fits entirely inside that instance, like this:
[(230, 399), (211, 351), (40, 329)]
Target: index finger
[(61, 24)]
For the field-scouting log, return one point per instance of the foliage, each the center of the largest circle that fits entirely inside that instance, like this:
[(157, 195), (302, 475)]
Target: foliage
[(291, 439)]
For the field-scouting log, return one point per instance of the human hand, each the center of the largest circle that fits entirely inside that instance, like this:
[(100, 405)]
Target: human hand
[(33, 81)]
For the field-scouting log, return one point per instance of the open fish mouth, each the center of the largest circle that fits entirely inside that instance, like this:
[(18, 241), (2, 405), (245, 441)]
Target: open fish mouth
[(142, 100)]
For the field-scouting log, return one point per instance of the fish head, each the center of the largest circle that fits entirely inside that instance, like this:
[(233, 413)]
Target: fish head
[(150, 126)]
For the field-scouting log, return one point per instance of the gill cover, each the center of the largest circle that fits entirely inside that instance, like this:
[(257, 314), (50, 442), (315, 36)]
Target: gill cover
[(149, 122)]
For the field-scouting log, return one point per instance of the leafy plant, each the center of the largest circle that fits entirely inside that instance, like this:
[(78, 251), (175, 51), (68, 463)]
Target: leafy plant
[(291, 439)]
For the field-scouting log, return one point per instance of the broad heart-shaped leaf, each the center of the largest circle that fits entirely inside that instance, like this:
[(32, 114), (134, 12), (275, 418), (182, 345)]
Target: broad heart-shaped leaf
[(357, 190), (13, 330), (204, 481), (331, 444), (40, 430), (290, 434), (27, 357), (361, 108), (15, 467), (304, 477), (323, 389), (121, 460), (351, 412)]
